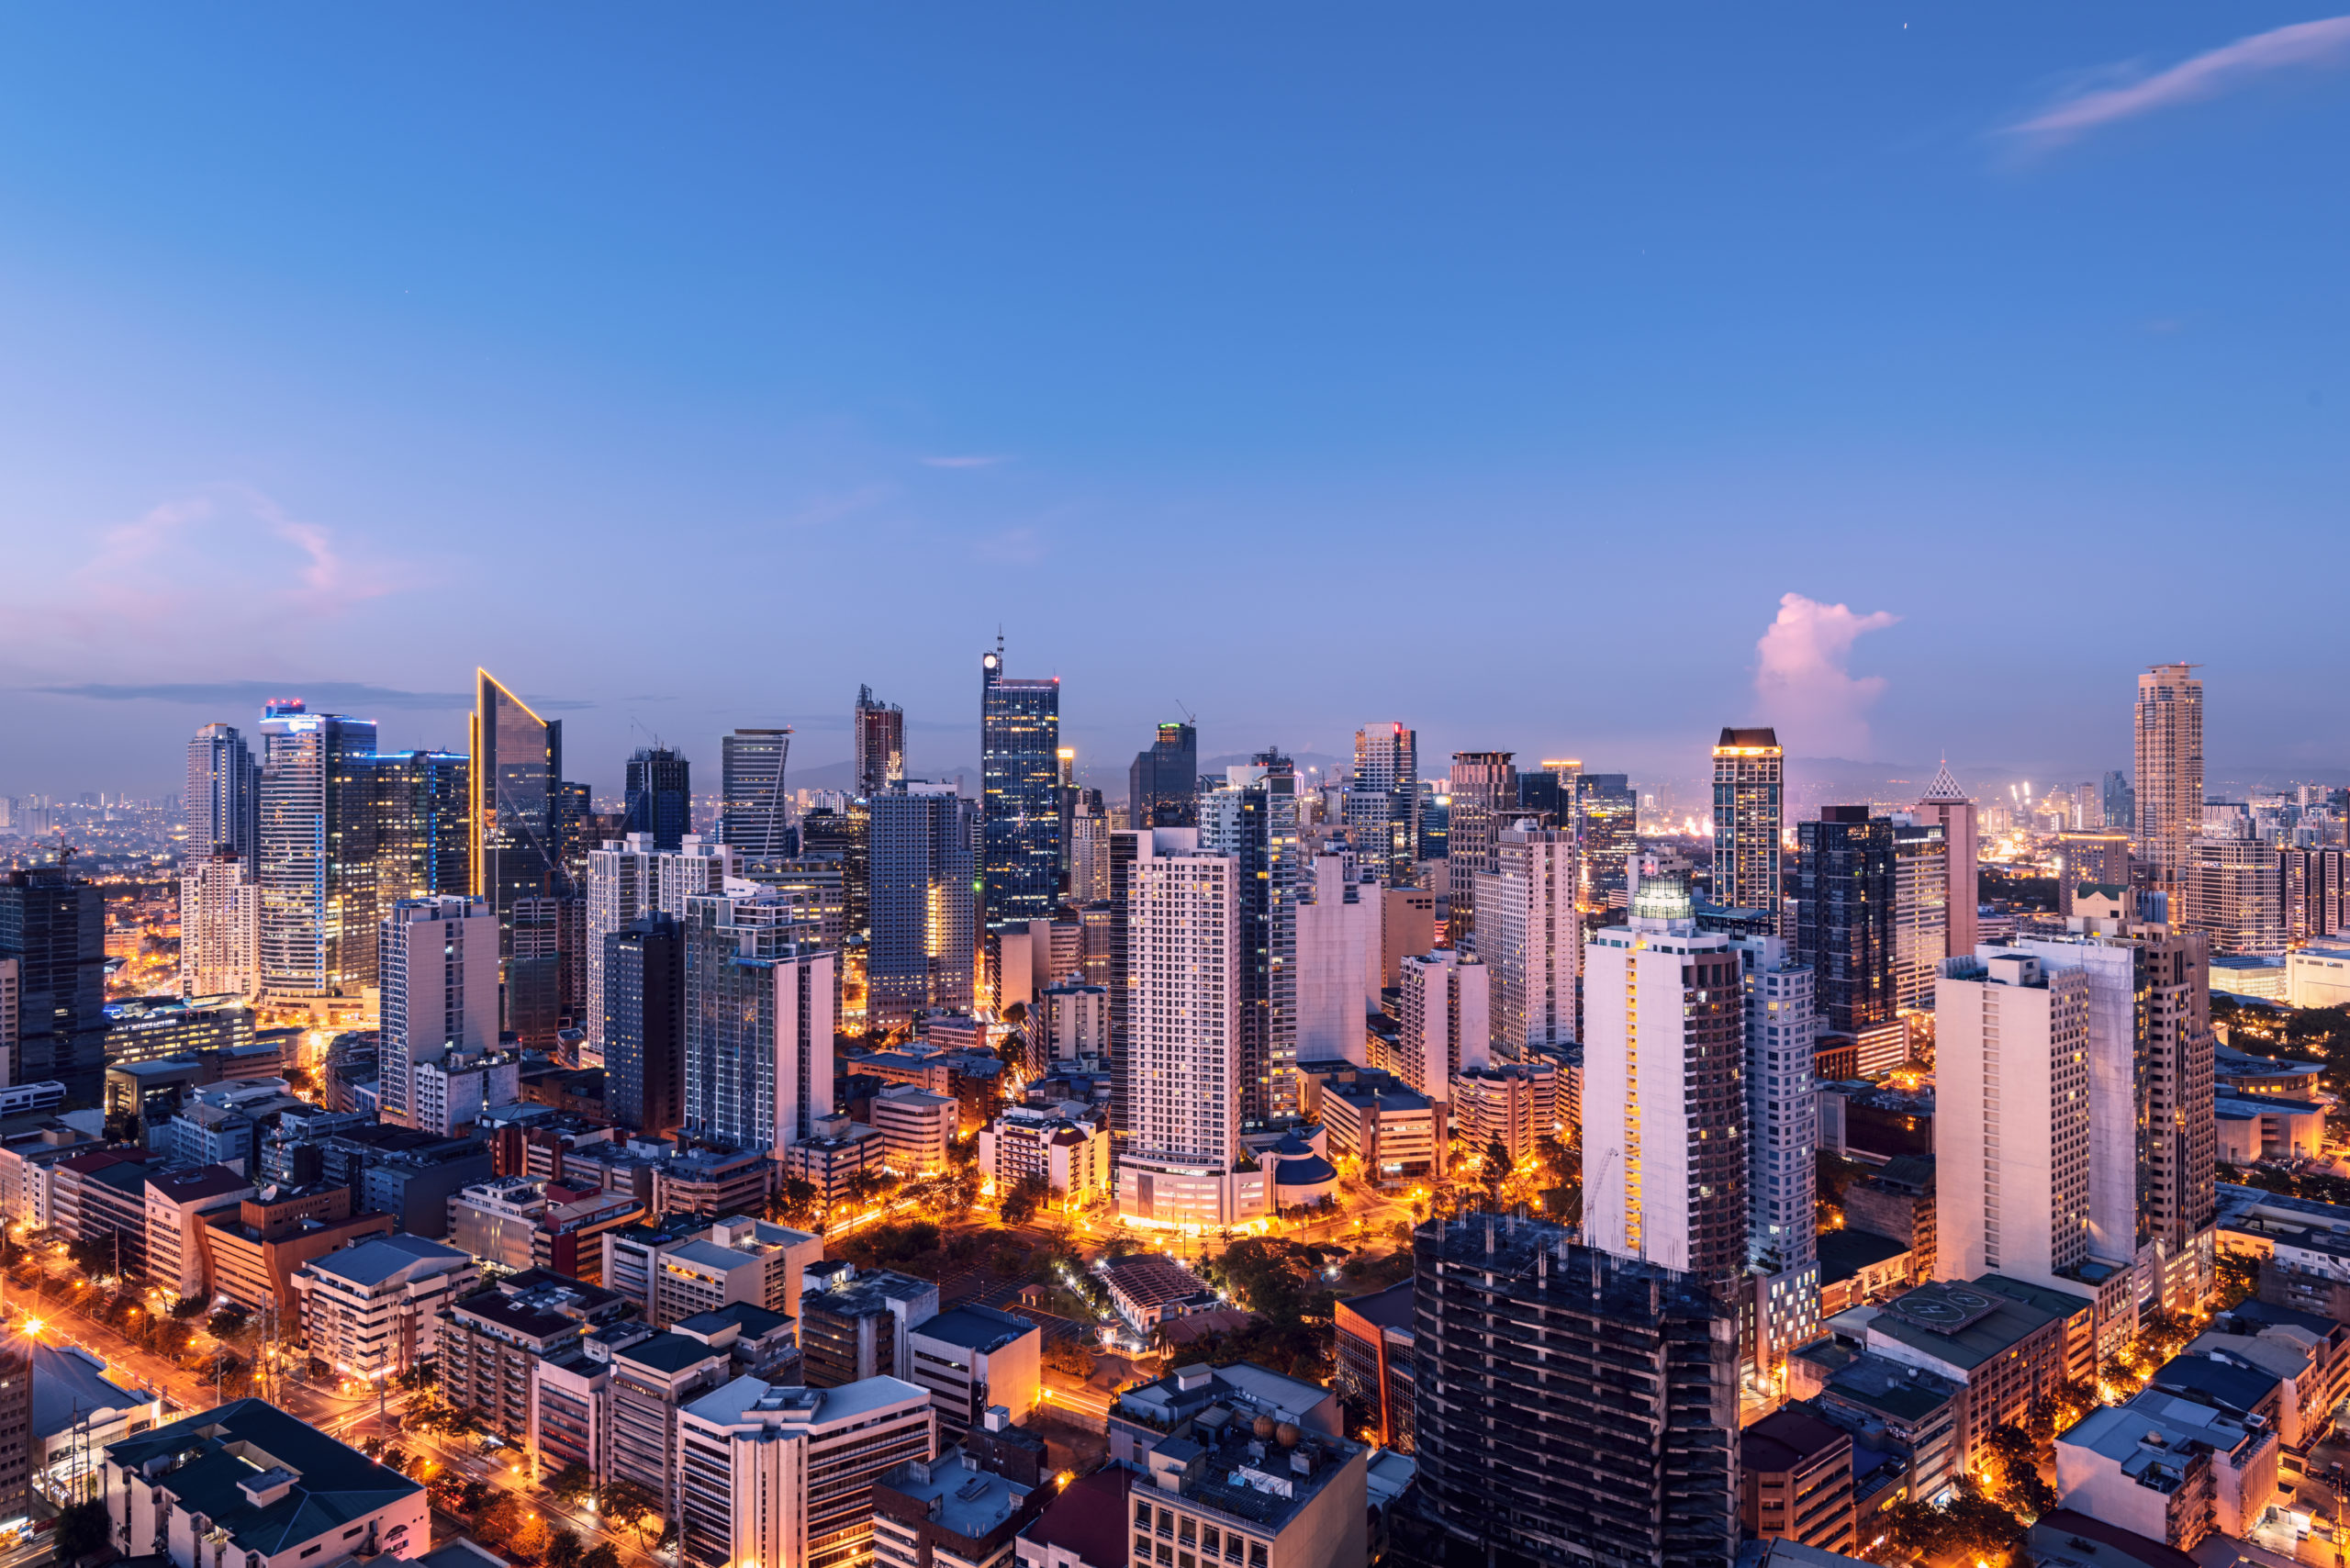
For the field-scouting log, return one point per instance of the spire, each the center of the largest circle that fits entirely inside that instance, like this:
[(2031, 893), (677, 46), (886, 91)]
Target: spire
[(1944, 786)]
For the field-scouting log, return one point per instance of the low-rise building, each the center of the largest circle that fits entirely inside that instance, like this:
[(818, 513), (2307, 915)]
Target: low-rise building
[(490, 1342), (255, 1252), (858, 1324), (712, 1182), (2167, 1468), (784, 1475), (916, 1126), (78, 1411), (1858, 1266), (1398, 1134), (1898, 1200), (368, 1310), (1085, 1527), (1147, 1286), (684, 1265), (972, 1357), (102, 1197), (1796, 1479), (837, 1149), (31, 1147), (951, 1512), (178, 1202), (516, 1223), (1517, 1102), (1069, 1155), (1906, 1425), (248, 1484), (2009, 1344), (2253, 1127)]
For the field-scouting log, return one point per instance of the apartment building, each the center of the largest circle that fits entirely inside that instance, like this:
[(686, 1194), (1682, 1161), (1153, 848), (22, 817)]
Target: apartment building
[(256, 1251), (368, 1310), (973, 1357), (488, 1343), (178, 1205), (855, 1325), (1071, 1157), (784, 1476), (916, 1126)]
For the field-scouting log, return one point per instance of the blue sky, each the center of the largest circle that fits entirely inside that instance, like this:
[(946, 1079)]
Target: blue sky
[(1502, 369)]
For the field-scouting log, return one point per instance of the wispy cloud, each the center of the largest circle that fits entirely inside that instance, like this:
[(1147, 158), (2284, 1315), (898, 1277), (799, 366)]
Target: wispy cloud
[(1802, 681), (971, 461), (2325, 43), (323, 696)]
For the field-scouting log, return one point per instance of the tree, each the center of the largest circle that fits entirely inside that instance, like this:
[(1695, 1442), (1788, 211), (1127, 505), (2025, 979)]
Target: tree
[(81, 1528), (95, 1255), (573, 1484), (228, 1322), (797, 1201), (563, 1550), (189, 1306), (1028, 1195), (473, 1497), (630, 1507), (1494, 1170), (603, 1554), (1067, 1355)]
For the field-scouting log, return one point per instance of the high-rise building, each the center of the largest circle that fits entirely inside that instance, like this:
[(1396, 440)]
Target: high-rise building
[(219, 926), (1384, 805), (1844, 901), (879, 730), (1088, 851), (1518, 1461), (1607, 829), (18, 1437), (517, 852), (1782, 1150), (423, 847), (2312, 888), (1750, 812), (1181, 1078), (2011, 1119), (2231, 888), (438, 964), (1253, 818), (1484, 788), (2120, 803), (846, 835), (753, 812), (628, 878), (53, 925), (660, 797), (1338, 960), (2169, 734), (1163, 784), (758, 1021), (223, 793), (1020, 805), (1946, 804), (783, 1476), (925, 942), (642, 1011), (1533, 937), (2090, 857), (1664, 1097), (1447, 1021), (316, 864), (1920, 911)]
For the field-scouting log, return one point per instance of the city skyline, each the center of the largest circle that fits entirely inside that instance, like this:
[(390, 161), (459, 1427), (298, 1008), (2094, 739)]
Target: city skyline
[(1915, 351)]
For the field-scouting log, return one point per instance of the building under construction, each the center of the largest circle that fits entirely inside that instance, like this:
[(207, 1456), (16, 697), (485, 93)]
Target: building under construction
[(1572, 1405)]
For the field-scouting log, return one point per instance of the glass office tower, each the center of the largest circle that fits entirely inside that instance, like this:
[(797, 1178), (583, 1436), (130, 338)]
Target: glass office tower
[(1020, 803), (660, 799), (517, 852)]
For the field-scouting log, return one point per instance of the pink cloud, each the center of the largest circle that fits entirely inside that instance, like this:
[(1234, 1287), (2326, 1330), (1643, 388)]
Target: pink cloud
[(2318, 43), (1802, 681)]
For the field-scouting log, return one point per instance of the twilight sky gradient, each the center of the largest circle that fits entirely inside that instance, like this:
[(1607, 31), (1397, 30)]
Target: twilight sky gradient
[(1548, 380)]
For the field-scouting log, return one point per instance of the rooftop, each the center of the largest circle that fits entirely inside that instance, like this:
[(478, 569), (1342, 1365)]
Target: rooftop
[(1965, 1325), (208, 1460), (749, 1399), (1844, 1253), (1088, 1519), (194, 1186), (373, 1262), (2224, 1384), (1390, 1308), (69, 1385), (959, 1496), (1786, 1438), (1154, 1279), (976, 1327)]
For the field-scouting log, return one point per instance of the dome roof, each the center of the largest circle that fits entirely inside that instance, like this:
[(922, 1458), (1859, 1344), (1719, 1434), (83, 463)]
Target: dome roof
[(1292, 1145), (1310, 1171)]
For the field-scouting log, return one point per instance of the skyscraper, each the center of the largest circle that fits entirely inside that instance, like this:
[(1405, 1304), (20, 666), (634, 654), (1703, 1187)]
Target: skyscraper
[(1517, 1460), (439, 962), (2169, 734), (1484, 788), (1163, 784), (219, 926), (2093, 857), (54, 924), (1384, 803), (1608, 825), (879, 731), (2011, 1119), (660, 798), (2120, 803), (1338, 960), (517, 852), (1664, 1101), (1946, 804), (223, 793), (1782, 1150), (1447, 1021), (1182, 1076), (1253, 818), (1020, 807), (758, 1021), (1533, 937), (2231, 888), (1088, 851), (753, 813), (1920, 911), (1844, 908), (2311, 883), (1749, 813), (629, 879), (423, 847), (316, 855), (643, 1015), (924, 918)]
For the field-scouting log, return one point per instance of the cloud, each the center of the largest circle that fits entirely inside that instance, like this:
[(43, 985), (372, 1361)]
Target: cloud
[(323, 696), (2325, 43), (973, 462), (1801, 682)]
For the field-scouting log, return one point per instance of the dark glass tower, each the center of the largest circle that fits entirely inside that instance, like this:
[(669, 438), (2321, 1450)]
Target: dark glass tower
[(1844, 894), (53, 924), (923, 940), (880, 732), (1020, 803), (752, 812), (1163, 784), (644, 1013), (223, 785), (848, 835), (517, 853), (422, 846), (316, 855), (660, 797), (1607, 814), (1257, 824)]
